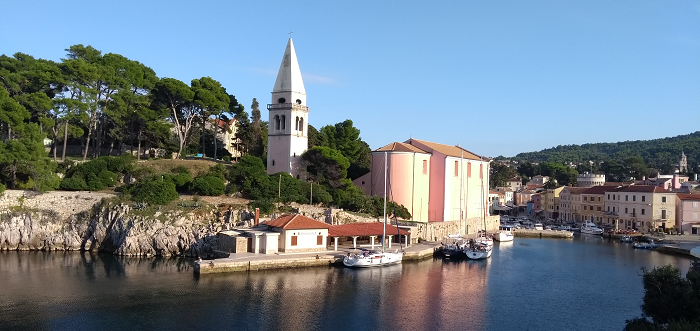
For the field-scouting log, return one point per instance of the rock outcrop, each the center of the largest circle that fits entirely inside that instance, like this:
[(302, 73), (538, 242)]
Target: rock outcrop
[(113, 229)]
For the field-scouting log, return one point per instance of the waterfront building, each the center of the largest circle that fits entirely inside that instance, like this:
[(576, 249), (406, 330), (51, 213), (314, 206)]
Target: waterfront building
[(570, 203), (550, 200), (298, 233), (287, 134), (508, 196), (640, 207), (670, 182), (522, 197), (536, 204), (688, 211), (435, 182), (587, 179)]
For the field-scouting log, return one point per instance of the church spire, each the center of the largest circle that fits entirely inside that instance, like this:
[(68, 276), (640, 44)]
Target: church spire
[(289, 75)]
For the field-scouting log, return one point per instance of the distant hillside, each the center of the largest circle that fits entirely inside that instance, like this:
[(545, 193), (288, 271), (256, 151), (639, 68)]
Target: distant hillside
[(660, 153)]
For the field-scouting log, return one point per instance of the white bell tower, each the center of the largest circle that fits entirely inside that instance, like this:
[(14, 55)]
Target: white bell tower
[(287, 135)]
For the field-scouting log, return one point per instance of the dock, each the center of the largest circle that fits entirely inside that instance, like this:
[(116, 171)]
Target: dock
[(238, 262), (543, 234)]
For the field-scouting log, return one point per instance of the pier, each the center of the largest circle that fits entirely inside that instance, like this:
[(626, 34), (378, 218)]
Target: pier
[(543, 234), (237, 262)]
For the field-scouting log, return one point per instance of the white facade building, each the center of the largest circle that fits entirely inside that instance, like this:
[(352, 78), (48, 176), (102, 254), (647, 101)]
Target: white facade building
[(287, 135)]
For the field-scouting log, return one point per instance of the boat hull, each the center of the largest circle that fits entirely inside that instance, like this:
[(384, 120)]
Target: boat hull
[(474, 254), (501, 236), (372, 260)]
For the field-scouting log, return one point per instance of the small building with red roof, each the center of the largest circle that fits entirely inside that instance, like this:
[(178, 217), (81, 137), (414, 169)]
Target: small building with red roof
[(299, 233)]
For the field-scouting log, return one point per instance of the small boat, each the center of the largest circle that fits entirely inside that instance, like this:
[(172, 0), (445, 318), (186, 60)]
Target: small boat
[(478, 251), (591, 228), (505, 233), (626, 239), (649, 245), (371, 258), (538, 226)]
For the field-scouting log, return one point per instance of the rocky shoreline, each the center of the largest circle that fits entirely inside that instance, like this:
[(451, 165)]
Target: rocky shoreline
[(111, 229)]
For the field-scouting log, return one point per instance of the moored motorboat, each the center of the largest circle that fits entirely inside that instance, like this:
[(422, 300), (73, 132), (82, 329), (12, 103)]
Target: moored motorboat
[(505, 233), (591, 228), (649, 245)]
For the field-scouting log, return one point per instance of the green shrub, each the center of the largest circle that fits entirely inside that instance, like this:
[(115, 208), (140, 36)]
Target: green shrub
[(182, 181), (154, 190), (73, 184), (2, 188), (208, 185), (266, 206), (226, 158)]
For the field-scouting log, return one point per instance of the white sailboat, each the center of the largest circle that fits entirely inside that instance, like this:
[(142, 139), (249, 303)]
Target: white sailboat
[(482, 247), (375, 258)]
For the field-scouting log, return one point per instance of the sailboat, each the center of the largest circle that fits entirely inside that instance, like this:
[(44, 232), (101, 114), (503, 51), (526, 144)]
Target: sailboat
[(456, 244), (375, 258), (482, 246)]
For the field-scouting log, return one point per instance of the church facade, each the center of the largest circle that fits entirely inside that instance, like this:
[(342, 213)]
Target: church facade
[(287, 135)]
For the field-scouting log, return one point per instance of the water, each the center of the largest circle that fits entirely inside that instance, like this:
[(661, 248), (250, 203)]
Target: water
[(531, 284)]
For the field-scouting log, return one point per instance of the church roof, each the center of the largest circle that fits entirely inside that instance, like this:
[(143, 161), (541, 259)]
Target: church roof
[(448, 150), (289, 75), (400, 147)]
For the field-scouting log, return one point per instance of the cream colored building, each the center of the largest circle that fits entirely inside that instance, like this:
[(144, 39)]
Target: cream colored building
[(570, 203), (640, 207)]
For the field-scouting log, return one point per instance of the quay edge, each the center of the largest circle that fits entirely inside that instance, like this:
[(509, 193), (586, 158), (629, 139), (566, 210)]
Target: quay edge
[(543, 234), (257, 262)]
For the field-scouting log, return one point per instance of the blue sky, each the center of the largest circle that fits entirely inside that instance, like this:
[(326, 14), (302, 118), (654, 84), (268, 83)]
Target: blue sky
[(497, 77)]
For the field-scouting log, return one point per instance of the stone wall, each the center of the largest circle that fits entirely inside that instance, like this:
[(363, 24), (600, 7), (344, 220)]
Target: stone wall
[(64, 203), (437, 231)]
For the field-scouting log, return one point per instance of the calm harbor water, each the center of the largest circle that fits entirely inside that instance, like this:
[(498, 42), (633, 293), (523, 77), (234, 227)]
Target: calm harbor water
[(588, 283)]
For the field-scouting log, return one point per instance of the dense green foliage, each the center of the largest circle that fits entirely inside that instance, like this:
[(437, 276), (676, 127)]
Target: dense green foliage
[(2, 188), (661, 154), (97, 174), (208, 185), (670, 302), (155, 190)]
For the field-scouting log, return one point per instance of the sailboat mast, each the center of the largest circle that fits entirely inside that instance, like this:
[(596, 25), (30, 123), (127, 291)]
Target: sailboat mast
[(384, 229), (461, 189)]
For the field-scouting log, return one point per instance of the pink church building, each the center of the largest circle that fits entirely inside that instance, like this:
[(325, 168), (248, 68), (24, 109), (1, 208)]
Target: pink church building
[(436, 182)]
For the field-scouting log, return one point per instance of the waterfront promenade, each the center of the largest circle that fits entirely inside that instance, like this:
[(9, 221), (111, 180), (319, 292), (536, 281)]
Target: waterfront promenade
[(679, 244), (237, 262)]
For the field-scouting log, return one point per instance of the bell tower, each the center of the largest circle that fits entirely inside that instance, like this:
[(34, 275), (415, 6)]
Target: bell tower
[(287, 135)]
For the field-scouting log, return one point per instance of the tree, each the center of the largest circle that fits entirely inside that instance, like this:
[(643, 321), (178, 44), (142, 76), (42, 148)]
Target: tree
[(314, 137), (211, 99), (249, 177), (672, 302), (91, 81), (176, 97), (500, 174), (258, 133), (326, 165)]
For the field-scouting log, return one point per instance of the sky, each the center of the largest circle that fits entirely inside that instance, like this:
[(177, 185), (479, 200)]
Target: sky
[(495, 77)]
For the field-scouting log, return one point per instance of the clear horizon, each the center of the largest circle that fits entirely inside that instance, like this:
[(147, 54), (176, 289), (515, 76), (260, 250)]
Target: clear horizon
[(498, 78)]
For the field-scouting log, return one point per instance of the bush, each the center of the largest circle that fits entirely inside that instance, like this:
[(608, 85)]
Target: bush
[(2, 188), (155, 191), (73, 184), (226, 158), (266, 206), (208, 185)]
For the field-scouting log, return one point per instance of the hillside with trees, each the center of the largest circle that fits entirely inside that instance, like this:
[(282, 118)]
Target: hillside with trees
[(105, 104), (661, 154)]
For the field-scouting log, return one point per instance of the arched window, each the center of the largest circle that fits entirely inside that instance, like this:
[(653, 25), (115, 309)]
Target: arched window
[(281, 100), (277, 122), (284, 122), (301, 125), (296, 124)]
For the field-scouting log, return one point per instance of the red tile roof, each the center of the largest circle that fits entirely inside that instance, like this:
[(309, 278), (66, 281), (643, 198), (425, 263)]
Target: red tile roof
[(644, 189), (363, 229), (454, 151), (602, 189), (685, 196), (297, 222)]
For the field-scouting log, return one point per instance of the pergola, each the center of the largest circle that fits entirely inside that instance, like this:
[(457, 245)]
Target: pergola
[(371, 230)]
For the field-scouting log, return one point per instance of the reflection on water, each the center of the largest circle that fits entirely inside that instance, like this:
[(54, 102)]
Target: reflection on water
[(526, 284)]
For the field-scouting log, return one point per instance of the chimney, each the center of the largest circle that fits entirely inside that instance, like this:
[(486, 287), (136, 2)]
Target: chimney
[(257, 216)]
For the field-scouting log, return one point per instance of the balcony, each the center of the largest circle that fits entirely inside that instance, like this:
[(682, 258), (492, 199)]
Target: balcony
[(294, 106)]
